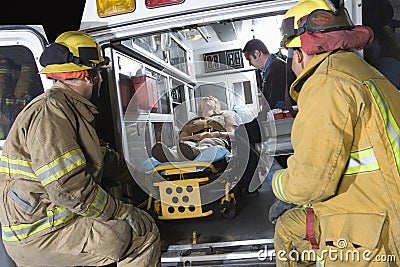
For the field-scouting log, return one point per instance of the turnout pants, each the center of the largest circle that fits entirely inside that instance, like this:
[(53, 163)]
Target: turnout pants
[(89, 242), (292, 250)]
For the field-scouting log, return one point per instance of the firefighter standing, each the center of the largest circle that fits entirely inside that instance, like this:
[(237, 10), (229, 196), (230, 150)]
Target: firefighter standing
[(344, 173), (54, 211), (15, 92)]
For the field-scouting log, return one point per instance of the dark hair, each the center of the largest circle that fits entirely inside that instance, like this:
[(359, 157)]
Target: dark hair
[(9, 64), (255, 44)]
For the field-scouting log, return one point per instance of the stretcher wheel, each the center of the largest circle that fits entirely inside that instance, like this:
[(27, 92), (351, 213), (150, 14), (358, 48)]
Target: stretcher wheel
[(228, 209)]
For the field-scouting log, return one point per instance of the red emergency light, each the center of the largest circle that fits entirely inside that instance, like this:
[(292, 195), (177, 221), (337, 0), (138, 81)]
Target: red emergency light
[(160, 3)]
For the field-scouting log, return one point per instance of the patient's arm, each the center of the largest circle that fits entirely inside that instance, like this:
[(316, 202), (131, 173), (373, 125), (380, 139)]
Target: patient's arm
[(183, 136), (201, 136), (226, 131)]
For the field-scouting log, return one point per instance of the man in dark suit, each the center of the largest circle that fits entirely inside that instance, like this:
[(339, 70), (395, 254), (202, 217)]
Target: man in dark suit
[(273, 72), (273, 86)]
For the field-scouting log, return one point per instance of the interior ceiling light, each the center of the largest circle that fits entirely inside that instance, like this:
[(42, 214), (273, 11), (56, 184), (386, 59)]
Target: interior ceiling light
[(193, 35), (197, 34)]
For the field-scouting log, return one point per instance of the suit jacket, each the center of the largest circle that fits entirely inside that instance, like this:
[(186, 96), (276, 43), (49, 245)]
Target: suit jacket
[(274, 82)]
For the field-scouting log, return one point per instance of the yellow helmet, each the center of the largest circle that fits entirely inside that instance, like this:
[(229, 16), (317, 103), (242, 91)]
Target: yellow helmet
[(72, 51), (289, 29)]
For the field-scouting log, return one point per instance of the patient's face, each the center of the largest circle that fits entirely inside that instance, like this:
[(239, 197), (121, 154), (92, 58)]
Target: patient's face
[(207, 106)]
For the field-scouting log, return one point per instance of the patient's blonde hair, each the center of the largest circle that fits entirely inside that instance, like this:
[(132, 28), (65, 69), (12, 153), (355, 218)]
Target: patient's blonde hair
[(211, 101)]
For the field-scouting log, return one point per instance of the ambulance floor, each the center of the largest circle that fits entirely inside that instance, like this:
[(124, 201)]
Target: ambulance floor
[(249, 223)]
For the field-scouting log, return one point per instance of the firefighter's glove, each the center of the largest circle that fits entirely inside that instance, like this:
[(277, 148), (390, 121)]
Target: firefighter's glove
[(140, 221), (277, 209)]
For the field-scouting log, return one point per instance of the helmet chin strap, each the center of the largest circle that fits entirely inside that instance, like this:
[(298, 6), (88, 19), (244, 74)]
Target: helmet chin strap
[(288, 71), (95, 81)]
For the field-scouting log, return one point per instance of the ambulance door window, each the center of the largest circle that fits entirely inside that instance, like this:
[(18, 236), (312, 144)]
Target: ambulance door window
[(130, 80), (178, 56), (242, 91), (154, 44), (193, 108), (181, 103), (163, 105), (19, 84)]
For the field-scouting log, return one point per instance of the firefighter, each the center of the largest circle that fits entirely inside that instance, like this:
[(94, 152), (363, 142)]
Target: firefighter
[(54, 211), (344, 173), (9, 73)]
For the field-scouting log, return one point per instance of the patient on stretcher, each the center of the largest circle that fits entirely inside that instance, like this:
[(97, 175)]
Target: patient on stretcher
[(212, 128)]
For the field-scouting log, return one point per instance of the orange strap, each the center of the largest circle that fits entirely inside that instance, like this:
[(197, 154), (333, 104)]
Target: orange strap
[(310, 232)]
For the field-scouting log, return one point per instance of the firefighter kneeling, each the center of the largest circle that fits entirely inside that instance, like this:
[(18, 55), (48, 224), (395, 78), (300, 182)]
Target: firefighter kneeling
[(54, 212), (344, 172)]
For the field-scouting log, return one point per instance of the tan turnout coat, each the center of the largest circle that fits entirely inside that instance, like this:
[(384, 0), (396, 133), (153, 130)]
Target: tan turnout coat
[(51, 168), (346, 161)]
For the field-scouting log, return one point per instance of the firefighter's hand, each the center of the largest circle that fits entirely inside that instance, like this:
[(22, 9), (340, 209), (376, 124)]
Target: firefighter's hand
[(277, 209), (140, 221)]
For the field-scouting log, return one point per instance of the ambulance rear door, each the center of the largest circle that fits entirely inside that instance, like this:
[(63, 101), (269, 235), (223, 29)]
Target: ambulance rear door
[(20, 50)]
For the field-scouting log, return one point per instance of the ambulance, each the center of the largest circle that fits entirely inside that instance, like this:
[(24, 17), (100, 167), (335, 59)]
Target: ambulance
[(165, 56)]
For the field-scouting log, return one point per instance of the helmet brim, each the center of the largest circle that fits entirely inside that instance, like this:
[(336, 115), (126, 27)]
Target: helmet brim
[(68, 67)]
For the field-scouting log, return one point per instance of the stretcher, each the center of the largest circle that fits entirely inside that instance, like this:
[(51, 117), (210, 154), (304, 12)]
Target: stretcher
[(180, 191)]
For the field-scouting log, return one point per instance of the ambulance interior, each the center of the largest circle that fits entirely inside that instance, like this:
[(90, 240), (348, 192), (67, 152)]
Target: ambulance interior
[(162, 78), (195, 62), (174, 68)]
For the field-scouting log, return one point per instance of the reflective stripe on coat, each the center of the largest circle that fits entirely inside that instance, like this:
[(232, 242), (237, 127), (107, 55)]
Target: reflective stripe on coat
[(51, 167), (346, 141)]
